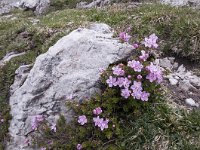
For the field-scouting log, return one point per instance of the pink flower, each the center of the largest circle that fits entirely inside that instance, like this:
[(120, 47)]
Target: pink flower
[(40, 118), (111, 81), (139, 77), (79, 147), (97, 121), (53, 127), (145, 96), (151, 41), (155, 74), (144, 55), (135, 46), (137, 94), (43, 148), (97, 111), (102, 124), (125, 93), (2, 120), (137, 89), (136, 65), (126, 83), (124, 36), (120, 81), (137, 86), (82, 119), (101, 70), (36, 120), (118, 71)]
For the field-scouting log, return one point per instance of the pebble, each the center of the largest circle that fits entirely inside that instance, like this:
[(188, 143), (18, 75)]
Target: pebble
[(191, 102)]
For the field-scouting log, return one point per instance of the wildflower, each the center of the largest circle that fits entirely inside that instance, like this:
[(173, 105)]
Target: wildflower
[(79, 147), (2, 120), (111, 81), (82, 119), (144, 55), (145, 96), (126, 82), (135, 46), (120, 81), (137, 89), (136, 65), (97, 111), (155, 74), (36, 120), (97, 121), (129, 76), (43, 148), (139, 77), (104, 124), (124, 36), (101, 70), (118, 71), (151, 41), (137, 86), (125, 93), (53, 127), (137, 94)]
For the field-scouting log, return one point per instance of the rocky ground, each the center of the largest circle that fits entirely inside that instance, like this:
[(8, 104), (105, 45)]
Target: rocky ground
[(28, 81)]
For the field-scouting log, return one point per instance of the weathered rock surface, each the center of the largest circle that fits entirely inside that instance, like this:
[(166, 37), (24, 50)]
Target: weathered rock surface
[(94, 4), (70, 67), (38, 6), (193, 3), (183, 83)]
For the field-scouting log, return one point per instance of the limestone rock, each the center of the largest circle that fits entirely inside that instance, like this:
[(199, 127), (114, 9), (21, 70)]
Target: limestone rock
[(38, 6), (191, 102), (95, 3), (70, 67), (192, 3), (173, 81)]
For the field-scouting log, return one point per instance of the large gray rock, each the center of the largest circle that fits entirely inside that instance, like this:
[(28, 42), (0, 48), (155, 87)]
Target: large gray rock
[(93, 4), (38, 6), (70, 67), (193, 3)]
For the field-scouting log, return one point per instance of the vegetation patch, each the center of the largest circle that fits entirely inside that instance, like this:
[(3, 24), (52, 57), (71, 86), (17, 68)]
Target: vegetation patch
[(130, 113), (178, 29)]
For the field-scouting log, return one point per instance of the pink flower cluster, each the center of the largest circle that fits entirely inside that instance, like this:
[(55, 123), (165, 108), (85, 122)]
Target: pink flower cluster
[(134, 88), (155, 74), (36, 120), (101, 123), (150, 42), (124, 36)]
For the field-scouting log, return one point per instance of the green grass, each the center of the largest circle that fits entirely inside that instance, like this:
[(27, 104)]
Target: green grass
[(178, 29)]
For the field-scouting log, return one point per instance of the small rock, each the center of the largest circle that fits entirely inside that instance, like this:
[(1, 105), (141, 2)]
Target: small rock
[(191, 102), (173, 81), (185, 85), (181, 69)]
